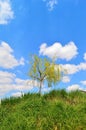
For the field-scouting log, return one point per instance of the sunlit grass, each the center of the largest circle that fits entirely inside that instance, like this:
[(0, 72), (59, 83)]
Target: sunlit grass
[(57, 110)]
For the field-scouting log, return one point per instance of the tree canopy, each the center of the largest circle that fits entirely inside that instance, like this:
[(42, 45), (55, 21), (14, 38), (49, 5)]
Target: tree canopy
[(43, 69)]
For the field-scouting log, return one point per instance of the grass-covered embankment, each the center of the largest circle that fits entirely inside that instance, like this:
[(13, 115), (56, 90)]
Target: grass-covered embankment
[(57, 110)]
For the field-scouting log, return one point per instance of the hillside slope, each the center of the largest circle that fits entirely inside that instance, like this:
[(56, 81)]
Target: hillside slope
[(57, 110)]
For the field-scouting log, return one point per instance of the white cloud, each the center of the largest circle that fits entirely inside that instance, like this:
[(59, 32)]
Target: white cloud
[(45, 89), (65, 79), (6, 13), (84, 56), (21, 84), (17, 94), (56, 50), (9, 82), (71, 68), (7, 59), (51, 4), (73, 87), (82, 66), (6, 77), (22, 61), (6, 80), (5, 89), (83, 82)]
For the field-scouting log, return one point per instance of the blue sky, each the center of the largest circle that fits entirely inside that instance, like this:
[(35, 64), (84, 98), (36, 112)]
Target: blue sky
[(47, 28)]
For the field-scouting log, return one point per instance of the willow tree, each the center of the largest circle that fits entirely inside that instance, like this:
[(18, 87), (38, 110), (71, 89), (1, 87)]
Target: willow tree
[(43, 69)]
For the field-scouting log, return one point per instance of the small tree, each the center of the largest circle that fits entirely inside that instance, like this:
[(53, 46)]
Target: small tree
[(43, 69)]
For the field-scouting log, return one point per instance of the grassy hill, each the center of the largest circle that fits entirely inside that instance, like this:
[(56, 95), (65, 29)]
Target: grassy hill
[(57, 110)]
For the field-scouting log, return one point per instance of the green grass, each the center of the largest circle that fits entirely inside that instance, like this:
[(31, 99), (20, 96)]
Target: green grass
[(57, 110)]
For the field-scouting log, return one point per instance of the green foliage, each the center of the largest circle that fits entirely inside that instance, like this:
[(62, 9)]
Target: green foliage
[(42, 69), (57, 110)]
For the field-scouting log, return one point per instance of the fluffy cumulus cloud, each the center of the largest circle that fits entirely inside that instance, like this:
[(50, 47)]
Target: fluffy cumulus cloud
[(83, 82), (56, 50), (6, 80), (6, 77), (6, 13), (65, 79), (72, 68), (7, 59), (21, 84), (73, 87), (82, 66), (9, 82), (51, 4)]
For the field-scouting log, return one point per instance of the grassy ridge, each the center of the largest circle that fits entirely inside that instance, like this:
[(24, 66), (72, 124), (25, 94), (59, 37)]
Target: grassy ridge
[(57, 110)]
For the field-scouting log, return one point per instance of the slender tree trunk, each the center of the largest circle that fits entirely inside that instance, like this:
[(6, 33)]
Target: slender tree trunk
[(40, 87)]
